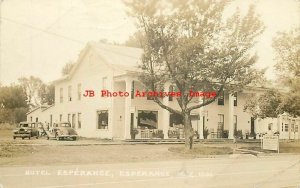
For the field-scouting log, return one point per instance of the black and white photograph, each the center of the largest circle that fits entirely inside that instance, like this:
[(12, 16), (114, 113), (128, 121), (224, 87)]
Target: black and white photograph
[(149, 93)]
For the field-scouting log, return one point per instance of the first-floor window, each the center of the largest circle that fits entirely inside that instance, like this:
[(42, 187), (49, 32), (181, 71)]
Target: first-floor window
[(286, 127), (147, 119), (176, 120), (79, 120), (296, 128), (102, 116)]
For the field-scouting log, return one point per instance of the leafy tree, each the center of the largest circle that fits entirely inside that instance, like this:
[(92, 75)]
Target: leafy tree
[(12, 97), (266, 105), (67, 68), (274, 103), (287, 47), (48, 94), (33, 87), (13, 105), (189, 44), (136, 40)]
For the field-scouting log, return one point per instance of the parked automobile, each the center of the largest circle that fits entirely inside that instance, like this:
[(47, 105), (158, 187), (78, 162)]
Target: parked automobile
[(61, 131), (26, 130)]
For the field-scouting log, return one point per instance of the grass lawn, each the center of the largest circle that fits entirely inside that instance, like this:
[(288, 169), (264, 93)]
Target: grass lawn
[(51, 152), (284, 147), (203, 150)]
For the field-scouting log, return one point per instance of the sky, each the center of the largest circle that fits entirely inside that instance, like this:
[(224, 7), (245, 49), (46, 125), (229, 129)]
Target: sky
[(37, 37)]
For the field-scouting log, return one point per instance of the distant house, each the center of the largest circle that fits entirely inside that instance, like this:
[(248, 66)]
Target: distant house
[(114, 68)]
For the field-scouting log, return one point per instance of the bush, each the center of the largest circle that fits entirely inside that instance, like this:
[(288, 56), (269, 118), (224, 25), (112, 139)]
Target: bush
[(239, 134), (205, 133), (225, 134), (7, 126)]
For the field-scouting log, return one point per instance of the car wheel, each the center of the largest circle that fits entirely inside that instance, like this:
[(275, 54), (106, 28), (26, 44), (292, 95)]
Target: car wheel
[(22, 138), (14, 137), (29, 137), (74, 138), (47, 137)]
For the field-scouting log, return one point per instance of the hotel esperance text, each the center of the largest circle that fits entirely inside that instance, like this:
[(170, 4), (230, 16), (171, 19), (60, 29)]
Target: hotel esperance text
[(137, 93)]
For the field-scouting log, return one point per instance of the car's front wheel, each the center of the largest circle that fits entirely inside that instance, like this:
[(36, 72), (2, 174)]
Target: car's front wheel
[(14, 137)]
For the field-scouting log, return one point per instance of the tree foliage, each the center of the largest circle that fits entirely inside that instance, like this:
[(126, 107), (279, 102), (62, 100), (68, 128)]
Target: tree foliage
[(13, 106), (266, 105), (136, 40), (33, 87), (189, 44), (37, 92), (67, 68), (274, 103), (287, 47)]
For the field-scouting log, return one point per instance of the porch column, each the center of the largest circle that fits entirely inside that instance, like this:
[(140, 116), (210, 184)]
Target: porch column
[(128, 82), (166, 113), (201, 112), (230, 116)]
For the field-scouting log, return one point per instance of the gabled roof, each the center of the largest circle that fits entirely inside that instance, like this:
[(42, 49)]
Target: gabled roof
[(42, 107), (117, 57)]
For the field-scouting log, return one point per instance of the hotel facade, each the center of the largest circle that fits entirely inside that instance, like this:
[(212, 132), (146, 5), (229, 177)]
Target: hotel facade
[(108, 68)]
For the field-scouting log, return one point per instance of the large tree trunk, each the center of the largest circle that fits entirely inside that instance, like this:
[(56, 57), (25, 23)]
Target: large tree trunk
[(188, 130)]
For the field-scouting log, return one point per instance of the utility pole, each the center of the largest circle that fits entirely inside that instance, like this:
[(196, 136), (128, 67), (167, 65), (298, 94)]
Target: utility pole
[(1, 1)]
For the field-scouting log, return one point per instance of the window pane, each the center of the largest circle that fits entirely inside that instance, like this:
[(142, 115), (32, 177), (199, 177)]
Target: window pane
[(79, 120), (221, 99), (102, 119), (70, 93), (235, 99), (61, 95), (147, 119)]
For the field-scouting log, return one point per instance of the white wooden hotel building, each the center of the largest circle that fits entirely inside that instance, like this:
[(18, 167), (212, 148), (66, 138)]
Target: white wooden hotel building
[(114, 68)]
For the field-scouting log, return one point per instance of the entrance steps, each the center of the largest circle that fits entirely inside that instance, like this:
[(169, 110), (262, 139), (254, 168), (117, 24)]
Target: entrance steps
[(174, 141)]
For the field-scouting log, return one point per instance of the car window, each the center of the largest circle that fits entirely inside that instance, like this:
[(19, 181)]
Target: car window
[(65, 125), (24, 125)]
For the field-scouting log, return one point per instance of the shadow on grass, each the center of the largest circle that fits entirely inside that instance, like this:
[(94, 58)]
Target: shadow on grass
[(202, 150)]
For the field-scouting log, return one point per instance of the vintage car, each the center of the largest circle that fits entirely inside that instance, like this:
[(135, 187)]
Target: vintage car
[(62, 131), (27, 130)]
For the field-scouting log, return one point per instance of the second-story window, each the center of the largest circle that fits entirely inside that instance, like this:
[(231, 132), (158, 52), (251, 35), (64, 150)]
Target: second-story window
[(70, 93), (221, 99), (171, 90), (235, 99), (132, 89), (79, 92), (61, 95)]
